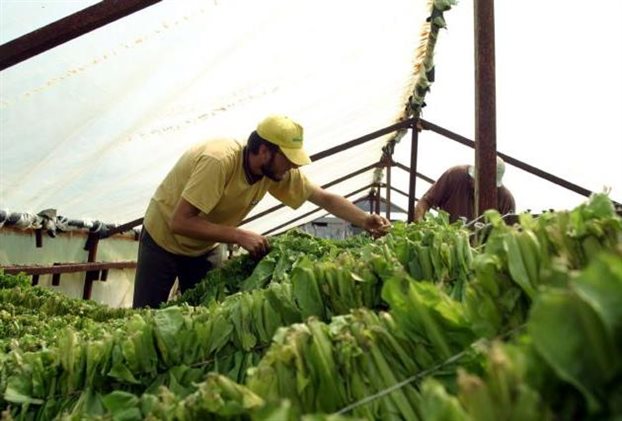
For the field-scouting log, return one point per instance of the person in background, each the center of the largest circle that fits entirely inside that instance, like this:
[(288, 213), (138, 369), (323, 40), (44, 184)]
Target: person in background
[(211, 189), (454, 192)]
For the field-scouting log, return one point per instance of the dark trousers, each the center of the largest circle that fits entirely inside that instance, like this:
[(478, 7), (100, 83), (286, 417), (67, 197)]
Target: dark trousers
[(157, 269)]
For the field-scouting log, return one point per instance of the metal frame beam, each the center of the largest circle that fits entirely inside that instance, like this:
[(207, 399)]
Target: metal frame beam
[(512, 161), (407, 169), (414, 147), (67, 28), (332, 183), (298, 218), (388, 191), (66, 268), (405, 124)]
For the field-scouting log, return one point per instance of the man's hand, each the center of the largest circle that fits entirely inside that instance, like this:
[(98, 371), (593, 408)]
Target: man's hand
[(377, 225), (256, 245)]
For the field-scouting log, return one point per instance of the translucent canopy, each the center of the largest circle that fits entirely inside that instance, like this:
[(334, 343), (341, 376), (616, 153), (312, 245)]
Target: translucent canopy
[(92, 126)]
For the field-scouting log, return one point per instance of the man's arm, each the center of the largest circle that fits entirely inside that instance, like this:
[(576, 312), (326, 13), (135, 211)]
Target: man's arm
[(436, 194), (506, 201), (187, 222), (344, 209), (420, 210)]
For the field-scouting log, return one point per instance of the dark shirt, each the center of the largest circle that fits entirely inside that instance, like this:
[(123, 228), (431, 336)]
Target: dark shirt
[(454, 192)]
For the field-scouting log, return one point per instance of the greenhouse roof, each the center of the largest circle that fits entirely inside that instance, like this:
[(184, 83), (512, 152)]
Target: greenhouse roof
[(90, 127)]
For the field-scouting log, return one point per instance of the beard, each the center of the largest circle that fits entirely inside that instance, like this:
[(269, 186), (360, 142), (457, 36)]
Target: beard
[(268, 170)]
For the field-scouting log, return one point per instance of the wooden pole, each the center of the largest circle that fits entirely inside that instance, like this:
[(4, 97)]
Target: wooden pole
[(485, 107), (413, 172)]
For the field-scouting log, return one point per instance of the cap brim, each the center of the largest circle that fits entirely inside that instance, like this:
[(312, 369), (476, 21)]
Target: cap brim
[(296, 156)]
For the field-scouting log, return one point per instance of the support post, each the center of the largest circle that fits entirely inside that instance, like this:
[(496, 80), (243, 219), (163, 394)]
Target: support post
[(93, 275), (388, 187), (485, 107), (413, 171)]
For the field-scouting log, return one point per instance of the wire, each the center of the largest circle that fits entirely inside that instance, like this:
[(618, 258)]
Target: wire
[(401, 384), (422, 374)]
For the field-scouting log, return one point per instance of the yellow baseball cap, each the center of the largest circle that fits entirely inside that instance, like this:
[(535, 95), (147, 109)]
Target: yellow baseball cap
[(287, 135)]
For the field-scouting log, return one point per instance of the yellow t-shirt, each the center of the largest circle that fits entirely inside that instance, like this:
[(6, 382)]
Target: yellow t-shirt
[(211, 177)]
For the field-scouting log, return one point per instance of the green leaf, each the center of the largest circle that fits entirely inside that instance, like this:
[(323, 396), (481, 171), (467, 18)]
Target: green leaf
[(600, 285), (574, 341), (438, 405), (122, 405), (168, 322), (261, 274), (12, 395), (307, 292), (120, 372)]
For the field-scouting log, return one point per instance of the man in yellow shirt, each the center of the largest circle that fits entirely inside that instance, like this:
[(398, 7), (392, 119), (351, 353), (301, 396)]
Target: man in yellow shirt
[(210, 190)]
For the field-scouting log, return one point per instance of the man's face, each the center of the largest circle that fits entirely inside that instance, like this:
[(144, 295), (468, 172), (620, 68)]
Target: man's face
[(277, 166)]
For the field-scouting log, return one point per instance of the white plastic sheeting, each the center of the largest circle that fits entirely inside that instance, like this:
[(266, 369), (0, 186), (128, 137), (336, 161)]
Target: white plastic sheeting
[(92, 126)]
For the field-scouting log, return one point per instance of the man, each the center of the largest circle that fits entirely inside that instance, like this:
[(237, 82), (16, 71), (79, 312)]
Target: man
[(454, 192), (210, 190)]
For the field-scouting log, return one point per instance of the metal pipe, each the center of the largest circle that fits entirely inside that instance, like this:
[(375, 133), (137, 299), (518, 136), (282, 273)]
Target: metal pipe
[(413, 172), (122, 228), (418, 174), (403, 193), (359, 141), (271, 230), (59, 268), (485, 107), (90, 276), (332, 183), (388, 191), (67, 28), (510, 160), (371, 202)]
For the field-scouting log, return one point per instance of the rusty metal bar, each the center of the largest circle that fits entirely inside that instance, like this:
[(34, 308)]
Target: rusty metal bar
[(38, 238), (388, 192), (122, 228), (298, 218), (360, 199), (66, 268), (418, 174), (414, 147), (91, 275), (485, 107), (377, 211), (332, 183), (403, 193), (67, 28), (509, 160), (56, 277), (392, 128)]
